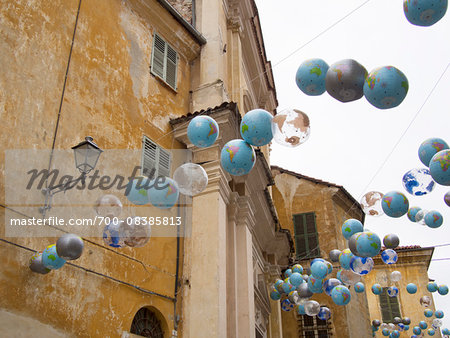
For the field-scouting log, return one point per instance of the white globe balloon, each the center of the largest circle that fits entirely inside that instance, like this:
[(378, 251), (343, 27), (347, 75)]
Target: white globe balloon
[(396, 276), (191, 178), (312, 308)]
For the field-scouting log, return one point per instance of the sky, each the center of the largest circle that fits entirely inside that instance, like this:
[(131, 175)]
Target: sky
[(355, 144)]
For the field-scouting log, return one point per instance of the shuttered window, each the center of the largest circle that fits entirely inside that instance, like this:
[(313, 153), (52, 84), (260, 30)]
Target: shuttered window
[(164, 61), (306, 237), (155, 157), (390, 307), (313, 327)]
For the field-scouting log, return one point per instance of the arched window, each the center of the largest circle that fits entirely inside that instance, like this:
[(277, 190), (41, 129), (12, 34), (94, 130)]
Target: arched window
[(146, 324)]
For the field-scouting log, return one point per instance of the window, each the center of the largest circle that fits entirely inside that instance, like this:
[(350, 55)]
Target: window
[(390, 307), (313, 327), (155, 157), (306, 237), (164, 61), (146, 324)]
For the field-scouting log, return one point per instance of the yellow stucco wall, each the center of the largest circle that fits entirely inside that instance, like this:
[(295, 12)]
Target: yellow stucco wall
[(111, 95), (291, 196), (412, 272)]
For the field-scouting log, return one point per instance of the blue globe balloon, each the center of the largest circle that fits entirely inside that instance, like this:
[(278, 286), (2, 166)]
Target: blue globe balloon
[(350, 227), (418, 182), (385, 87), (411, 288), (164, 192), (310, 76), (287, 287), (359, 287), (412, 212), (361, 265), (431, 332), (389, 256), (345, 257), (237, 157), (297, 268), (275, 295), (417, 330), (406, 327), (431, 147), (442, 289), (277, 283), (439, 314), (395, 204), (377, 289), (329, 285), (385, 332), (341, 295), (432, 287), (324, 313), (316, 260), (286, 305), (319, 270), (137, 190), (433, 219), (428, 313), (50, 258), (368, 244), (330, 267), (288, 273), (295, 279), (440, 167), (315, 285), (423, 324), (424, 12), (446, 331), (301, 309), (395, 334), (256, 127), (392, 291), (203, 131)]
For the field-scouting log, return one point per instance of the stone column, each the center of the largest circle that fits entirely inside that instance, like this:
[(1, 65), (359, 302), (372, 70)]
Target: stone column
[(244, 258)]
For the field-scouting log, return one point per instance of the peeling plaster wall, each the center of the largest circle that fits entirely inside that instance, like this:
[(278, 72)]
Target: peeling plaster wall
[(110, 95)]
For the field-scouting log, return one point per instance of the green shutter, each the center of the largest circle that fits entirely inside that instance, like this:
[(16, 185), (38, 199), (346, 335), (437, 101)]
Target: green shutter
[(164, 61), (171, 67), (306, 236), (390, 307)]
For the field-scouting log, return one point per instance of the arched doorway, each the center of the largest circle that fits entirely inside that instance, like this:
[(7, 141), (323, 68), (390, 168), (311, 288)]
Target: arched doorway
[(146, 324)]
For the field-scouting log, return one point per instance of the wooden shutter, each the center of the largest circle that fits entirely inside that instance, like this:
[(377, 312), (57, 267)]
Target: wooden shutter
[(390, 307), (155, 157), (158, 56), (306, 236), (149, 157), (171, 67)]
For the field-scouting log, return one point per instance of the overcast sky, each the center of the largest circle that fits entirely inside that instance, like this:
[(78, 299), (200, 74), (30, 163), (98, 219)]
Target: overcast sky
[(349, 142)]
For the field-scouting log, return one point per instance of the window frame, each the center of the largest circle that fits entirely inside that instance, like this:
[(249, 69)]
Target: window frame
[(304, 236), (159, 153), (388, 302), (316, 329), (166, 61)]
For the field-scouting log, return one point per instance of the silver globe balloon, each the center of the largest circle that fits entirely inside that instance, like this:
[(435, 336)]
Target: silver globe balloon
[(420, 216), (384, 326), (191, 178), (345, 80), (352, 244), (406, 320), (397, 320), (391, 326), (36, 264), (425, 301), (304, 291), (391, 241), (376, 323), (312, 308), (334, 255), (69, 246)]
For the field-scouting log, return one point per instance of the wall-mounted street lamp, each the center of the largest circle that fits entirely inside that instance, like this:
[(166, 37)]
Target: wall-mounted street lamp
[(86, 156)]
